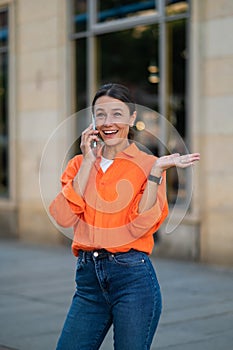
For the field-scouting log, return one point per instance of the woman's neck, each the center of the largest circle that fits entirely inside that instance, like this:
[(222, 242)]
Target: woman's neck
[(110, 152)]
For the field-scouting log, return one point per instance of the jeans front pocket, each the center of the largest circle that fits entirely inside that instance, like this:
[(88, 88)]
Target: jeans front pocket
[(131, 258)]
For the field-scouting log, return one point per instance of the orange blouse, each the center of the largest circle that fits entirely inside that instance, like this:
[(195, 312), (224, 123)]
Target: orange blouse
[(107, 214)]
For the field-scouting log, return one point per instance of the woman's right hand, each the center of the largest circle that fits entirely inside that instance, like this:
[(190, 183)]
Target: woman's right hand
[(89, 135), (89, 155)]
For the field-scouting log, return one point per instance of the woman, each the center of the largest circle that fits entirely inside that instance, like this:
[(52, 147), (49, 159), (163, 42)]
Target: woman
[(114, 195)]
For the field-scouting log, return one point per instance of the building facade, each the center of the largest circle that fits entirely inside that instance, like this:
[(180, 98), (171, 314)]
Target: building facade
[(176, 57)]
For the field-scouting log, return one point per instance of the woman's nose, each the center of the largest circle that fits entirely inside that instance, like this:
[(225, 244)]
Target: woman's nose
[(108, 119)]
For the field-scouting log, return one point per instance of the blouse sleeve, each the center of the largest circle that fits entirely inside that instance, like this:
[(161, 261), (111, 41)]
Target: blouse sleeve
[(61, 212), (152, 219), (75, 201)]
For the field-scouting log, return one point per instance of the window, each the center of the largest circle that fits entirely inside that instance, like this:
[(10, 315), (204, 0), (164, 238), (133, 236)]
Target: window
[(142, 44), (4, 141), (135, 71), (80, 15), (175, 7), (81, 76), (176, 101), (129, 66), (113, 10)]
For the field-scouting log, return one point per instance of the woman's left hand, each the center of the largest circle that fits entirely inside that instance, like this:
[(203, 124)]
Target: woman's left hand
[(180, 161)]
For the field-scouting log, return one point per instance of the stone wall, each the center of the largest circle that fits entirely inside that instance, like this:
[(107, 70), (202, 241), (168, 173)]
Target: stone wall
[(215, 25)]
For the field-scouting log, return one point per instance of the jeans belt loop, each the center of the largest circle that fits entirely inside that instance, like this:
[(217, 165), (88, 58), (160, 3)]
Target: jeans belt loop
[(84, 256)]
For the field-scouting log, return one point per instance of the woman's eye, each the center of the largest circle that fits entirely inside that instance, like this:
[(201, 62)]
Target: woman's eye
[(100, 116), (117, 115)]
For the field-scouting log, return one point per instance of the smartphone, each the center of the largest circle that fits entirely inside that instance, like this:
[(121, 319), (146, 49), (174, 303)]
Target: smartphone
[(94, 128)]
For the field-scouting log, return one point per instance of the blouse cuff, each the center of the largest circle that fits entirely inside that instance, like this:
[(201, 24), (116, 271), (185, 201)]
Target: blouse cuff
[(149, 217), (76, 202)]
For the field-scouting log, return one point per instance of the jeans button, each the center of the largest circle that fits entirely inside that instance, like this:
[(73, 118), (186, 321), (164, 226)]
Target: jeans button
[(95, 254)]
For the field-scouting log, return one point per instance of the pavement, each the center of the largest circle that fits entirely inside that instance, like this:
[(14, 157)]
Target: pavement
[(36, 287)]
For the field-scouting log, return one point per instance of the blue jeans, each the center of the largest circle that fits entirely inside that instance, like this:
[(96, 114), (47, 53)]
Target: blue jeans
[(120, 289)]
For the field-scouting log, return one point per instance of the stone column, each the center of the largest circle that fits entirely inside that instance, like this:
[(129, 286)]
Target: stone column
[(42, 103), (215, 124)]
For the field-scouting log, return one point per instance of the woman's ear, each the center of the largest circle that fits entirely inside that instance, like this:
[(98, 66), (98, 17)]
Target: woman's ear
[(132, 118)]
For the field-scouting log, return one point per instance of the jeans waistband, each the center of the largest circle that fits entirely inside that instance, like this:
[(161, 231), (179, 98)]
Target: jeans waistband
[(100, 253)]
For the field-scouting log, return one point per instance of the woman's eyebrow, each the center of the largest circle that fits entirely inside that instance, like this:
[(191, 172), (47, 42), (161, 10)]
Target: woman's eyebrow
[(113, 109), (117, 109)]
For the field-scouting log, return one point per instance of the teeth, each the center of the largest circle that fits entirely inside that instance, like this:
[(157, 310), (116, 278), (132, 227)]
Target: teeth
[(110, 132)]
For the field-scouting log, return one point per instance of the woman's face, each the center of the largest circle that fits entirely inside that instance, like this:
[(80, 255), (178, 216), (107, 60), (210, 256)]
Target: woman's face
[(113, 119)]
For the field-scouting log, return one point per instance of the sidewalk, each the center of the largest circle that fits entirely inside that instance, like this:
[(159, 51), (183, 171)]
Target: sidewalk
[(36, 286)]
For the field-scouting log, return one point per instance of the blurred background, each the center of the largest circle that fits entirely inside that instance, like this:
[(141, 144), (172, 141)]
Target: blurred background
[(177, 59)]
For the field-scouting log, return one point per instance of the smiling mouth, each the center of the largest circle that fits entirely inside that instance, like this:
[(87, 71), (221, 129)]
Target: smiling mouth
[(110, 132)]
